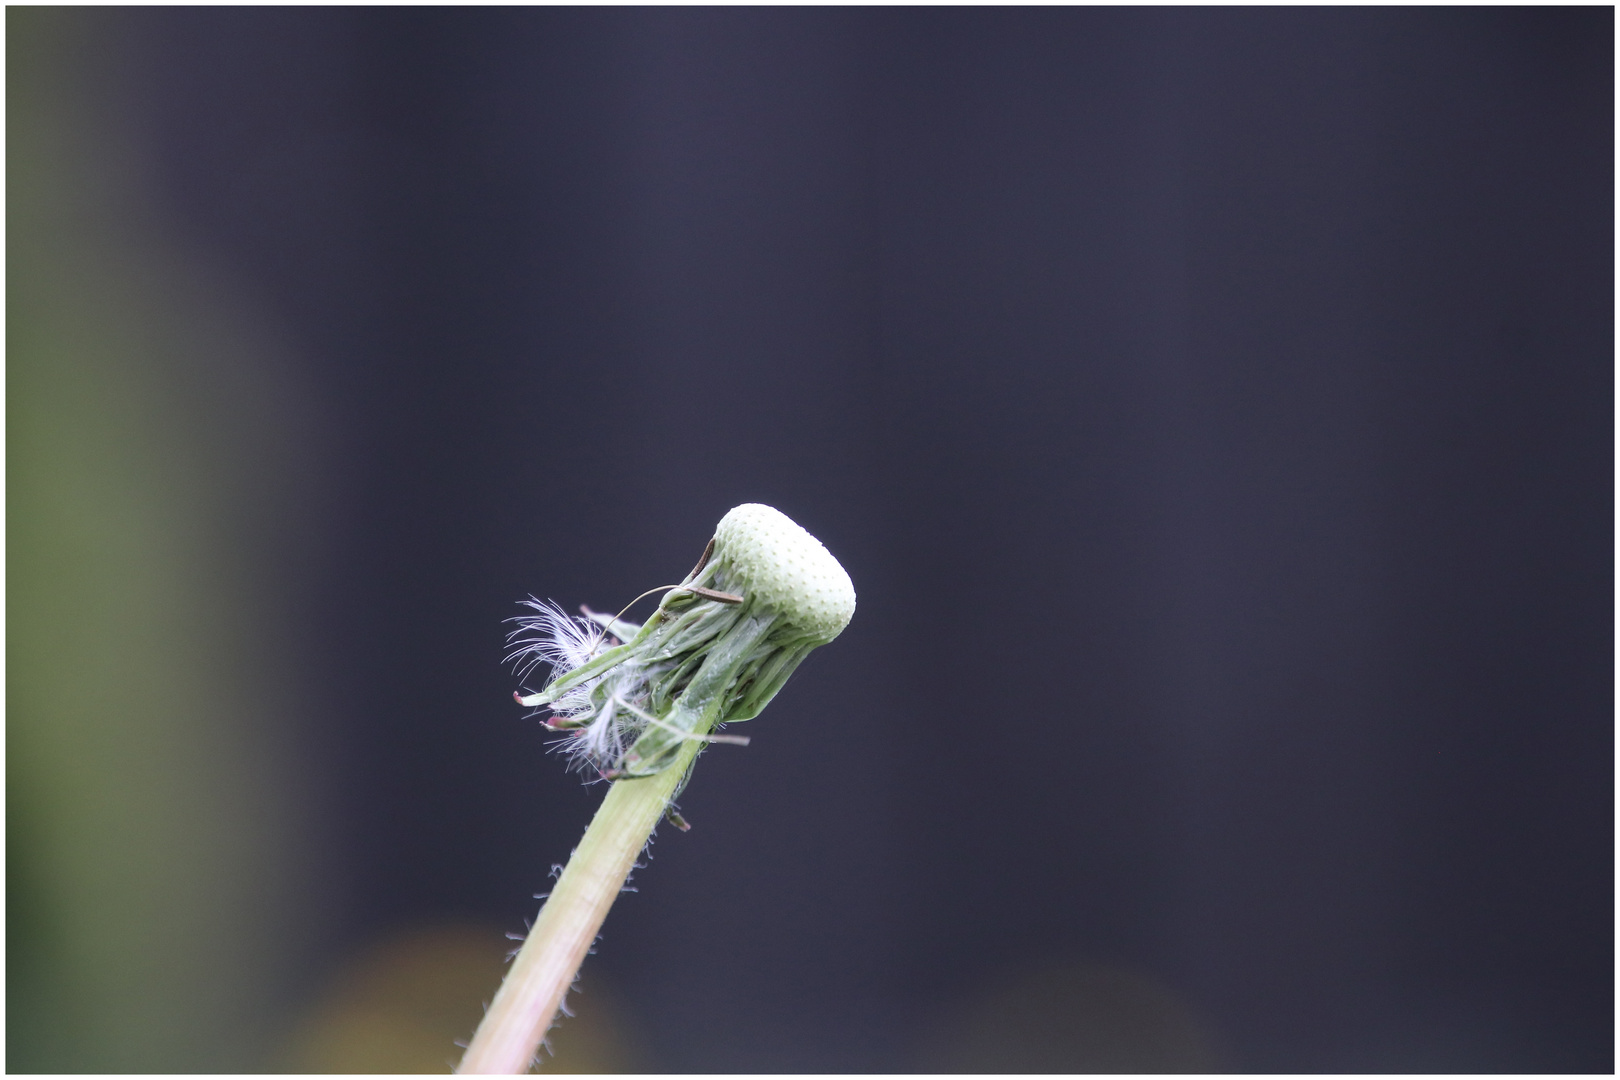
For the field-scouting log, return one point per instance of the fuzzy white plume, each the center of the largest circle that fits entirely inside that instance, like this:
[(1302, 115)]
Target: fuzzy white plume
[(553, 638), (601, 727)]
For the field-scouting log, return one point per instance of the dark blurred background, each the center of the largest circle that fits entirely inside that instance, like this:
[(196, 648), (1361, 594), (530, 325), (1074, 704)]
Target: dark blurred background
[(1213, 408)]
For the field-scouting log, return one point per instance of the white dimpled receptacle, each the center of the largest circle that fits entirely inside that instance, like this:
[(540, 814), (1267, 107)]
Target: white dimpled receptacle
[(780, 566)]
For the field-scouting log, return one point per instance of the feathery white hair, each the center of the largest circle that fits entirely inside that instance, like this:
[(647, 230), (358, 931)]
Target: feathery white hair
[(601, 726)]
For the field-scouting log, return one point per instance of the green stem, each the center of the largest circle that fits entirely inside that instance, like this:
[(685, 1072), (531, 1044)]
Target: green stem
[(509, 1036)]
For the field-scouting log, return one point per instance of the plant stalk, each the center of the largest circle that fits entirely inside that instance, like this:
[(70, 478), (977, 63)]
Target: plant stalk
[(509, 1037)]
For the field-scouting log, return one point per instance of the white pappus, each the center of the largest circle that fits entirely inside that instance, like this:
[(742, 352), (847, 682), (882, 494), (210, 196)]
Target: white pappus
[(598, 714)]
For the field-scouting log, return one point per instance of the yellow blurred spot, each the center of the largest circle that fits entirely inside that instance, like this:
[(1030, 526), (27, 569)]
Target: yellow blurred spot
[(401, 1007), (1082, 1019)]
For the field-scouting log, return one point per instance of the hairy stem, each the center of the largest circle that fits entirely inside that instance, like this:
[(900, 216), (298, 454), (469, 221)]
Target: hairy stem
[(509, 1037)]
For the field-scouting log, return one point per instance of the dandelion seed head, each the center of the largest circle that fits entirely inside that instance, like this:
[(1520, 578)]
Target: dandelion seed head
[(707, 657)]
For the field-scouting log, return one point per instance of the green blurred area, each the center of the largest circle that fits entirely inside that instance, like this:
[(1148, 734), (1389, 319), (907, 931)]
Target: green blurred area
[(165, 888), (159, 871)]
